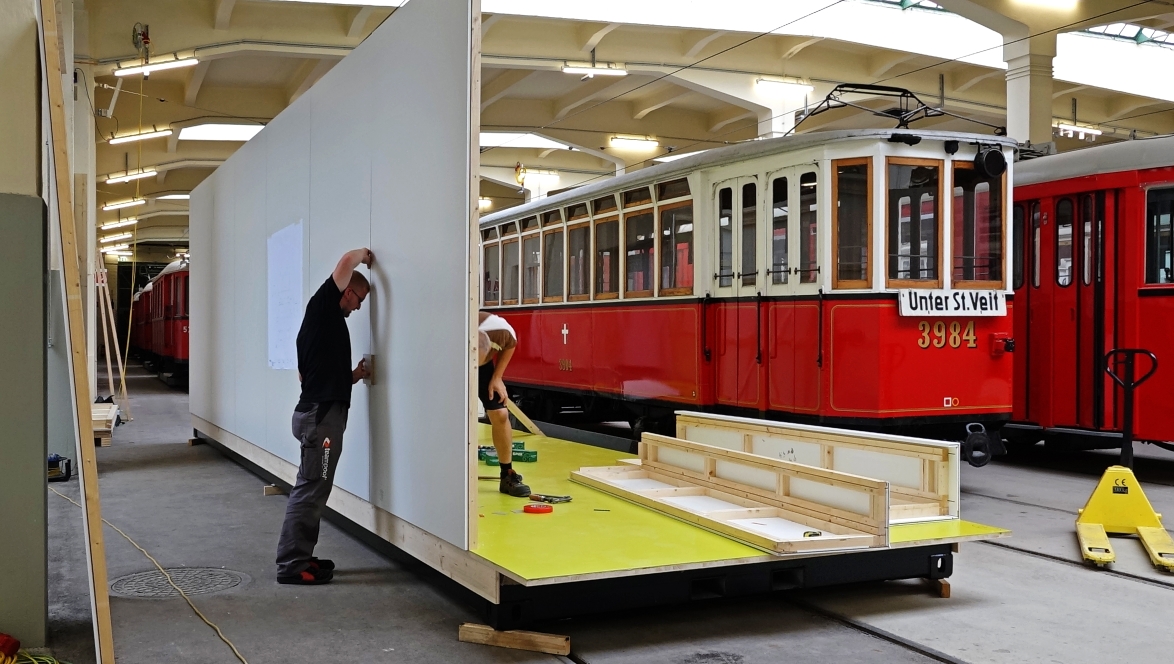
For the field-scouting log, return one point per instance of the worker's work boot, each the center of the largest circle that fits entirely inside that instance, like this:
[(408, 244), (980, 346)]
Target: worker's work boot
[(511, 483)]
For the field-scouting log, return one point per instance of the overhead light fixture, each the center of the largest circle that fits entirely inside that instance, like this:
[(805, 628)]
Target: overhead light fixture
[(484, 203), (501, 139), (777, 85), (120, 254), (131, 176), (116, 247), (1066, 5), (675, 156), (125, 204), (130, 221), (173, 197), (1071, 130), (634, 143), (115, 140), (114, 238), (156, 66), (543, 175), (587, 69), (220, 131)]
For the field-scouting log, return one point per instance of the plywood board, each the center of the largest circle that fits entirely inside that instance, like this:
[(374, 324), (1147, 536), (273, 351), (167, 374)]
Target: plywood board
[(923, 474)]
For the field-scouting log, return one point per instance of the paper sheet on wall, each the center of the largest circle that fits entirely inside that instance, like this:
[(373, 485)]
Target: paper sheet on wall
[(285, 295)]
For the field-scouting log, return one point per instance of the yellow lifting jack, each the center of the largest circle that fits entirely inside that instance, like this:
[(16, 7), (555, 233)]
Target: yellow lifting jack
[(1118, 505)]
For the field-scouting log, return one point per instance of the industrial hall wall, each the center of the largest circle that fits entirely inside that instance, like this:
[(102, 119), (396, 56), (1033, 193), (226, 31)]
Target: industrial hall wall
[(372, 155)]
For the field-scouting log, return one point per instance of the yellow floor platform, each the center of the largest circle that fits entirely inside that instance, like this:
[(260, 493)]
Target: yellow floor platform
[(598, 535)]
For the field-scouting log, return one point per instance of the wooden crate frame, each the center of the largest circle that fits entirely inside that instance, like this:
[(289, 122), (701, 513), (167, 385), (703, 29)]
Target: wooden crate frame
[(103, 417), (694, 469), (923, 475)]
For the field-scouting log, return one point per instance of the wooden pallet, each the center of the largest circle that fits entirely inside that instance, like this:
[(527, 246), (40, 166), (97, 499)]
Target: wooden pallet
[(104, 416), (923, 475), (776, 505)]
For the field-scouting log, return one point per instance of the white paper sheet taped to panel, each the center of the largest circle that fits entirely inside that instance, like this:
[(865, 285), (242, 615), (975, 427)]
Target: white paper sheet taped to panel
[(285, 295)]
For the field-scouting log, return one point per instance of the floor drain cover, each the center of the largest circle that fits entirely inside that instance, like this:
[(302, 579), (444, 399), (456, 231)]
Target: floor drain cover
[(193, 580)]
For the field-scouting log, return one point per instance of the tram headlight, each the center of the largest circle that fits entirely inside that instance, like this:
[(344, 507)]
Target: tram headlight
[(990, 161)]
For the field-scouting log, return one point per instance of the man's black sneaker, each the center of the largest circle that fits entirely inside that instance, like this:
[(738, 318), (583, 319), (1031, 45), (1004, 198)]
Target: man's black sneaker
[(307, 577), (324, 564), (511, 483)]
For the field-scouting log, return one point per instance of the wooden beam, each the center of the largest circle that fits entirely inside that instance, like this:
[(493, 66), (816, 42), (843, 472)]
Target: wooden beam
[(223, 15), (192, 89), (552, 644), (88, 475), (359, 22), (500, 86)]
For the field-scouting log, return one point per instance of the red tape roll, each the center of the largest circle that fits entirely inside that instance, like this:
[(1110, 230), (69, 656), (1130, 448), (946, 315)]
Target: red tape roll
[(538, 508)]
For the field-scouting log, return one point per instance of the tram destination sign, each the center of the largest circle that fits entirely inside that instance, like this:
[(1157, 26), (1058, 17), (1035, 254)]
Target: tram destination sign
[(942, 302)]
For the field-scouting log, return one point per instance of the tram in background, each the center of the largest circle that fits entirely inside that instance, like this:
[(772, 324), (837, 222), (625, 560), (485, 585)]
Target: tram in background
[(159, 324), (1093, 272), (850, 278)]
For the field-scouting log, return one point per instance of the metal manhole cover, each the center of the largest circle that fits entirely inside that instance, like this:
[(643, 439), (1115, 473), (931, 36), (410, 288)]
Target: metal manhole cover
[(193, 580)]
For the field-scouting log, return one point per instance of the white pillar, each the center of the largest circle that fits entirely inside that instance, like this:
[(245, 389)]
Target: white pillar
[(1029, 90)]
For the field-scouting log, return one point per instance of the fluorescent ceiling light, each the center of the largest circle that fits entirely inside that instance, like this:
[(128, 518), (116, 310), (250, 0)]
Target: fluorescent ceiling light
[(544, 176), (613, 69), (675, 156), (1073, 130), (130, 221), (113, 238), (139, 137), (125, 204), (157, 66), (494, 139), (772, 85), (484, 203), (634, 143), (1049, 4), (117, 247), (131, 176), (216, 131), (365, 3), (173, 197), (119, 253)]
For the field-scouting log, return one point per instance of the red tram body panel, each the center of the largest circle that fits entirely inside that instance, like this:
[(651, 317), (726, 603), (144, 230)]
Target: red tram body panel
[(1093, 273), (159, 322)]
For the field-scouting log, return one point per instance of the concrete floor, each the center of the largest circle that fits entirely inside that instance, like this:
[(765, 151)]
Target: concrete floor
[(1025, 600)]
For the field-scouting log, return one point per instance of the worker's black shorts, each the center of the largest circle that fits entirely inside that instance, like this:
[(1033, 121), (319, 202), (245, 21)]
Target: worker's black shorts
[(484, 375)]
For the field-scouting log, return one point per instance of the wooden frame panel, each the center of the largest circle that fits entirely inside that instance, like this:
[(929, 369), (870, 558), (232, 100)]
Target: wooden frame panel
[(940, 220), (611, 295), (834, 217), (517, 244), (650, 291), (679, 203), (1003, 204), (494, 245), (590, 262), (543, 267), (522, 268)]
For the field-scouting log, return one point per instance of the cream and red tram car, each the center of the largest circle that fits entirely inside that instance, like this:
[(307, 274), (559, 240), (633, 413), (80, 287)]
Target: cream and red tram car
[(1093, 272), (159, 323), (763, 279)]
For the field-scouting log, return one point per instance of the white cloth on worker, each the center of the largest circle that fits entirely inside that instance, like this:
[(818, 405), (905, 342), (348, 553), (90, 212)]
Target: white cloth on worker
[(496, 323)]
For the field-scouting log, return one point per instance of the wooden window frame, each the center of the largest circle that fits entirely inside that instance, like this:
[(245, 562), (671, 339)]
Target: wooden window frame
[(614, 295), (522, 224), (647, 292), (605, 213), (522, 268), (678, 291), (504, 232), (636, 206), (837, 282), (941, 166), (974, 284), (656, 190), (567, 211), (590, 262), (518, 241), (543, 223), (496, 244), (561, 297)]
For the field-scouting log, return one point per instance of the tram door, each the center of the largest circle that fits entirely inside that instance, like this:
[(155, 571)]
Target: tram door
[(738, 285), (792, 284)]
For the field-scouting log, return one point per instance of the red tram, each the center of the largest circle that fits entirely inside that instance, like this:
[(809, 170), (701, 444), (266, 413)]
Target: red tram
[(854, 278), (1093, 272), (159, 323)]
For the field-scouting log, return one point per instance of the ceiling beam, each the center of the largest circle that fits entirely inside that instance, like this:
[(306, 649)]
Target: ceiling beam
[(592, 35), (488, 23), (718, 120), (499, 87), (307, 75), (223, 14), (882, 64), (1120, 106), (961, 81), (359, 22), (669, 94), (192, 88), (798, 48), (1067, 91), (693, 45), (584, 93)]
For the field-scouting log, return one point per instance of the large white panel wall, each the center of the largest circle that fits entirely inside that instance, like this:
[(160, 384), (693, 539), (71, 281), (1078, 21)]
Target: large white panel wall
[(375, 154)]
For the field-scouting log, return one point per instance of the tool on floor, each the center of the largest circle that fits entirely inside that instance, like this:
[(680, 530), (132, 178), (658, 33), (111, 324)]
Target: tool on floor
[(60, 468), (1118, 505), (538, 508), (544, 498), (517, 412)]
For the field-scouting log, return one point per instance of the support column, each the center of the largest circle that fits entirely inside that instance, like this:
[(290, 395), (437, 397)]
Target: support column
[(1029, 98)]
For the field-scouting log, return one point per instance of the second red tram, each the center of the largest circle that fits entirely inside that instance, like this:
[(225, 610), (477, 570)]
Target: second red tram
[(159, 323), (1093, 272), (855, 278)]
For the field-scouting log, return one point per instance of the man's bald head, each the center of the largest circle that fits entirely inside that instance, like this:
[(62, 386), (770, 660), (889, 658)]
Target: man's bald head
[(359, 283), (355, 292)]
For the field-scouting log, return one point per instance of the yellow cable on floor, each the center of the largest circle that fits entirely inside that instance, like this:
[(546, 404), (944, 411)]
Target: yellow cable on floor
[(168, 577)]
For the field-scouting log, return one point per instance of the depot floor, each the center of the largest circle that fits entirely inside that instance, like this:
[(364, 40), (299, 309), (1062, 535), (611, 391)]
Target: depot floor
[(1022, 599)]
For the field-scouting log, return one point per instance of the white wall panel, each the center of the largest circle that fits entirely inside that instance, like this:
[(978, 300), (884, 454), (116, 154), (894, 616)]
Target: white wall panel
[(375, 154)]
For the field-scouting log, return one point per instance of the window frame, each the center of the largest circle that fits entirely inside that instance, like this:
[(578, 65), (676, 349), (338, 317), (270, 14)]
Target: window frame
[(1022, 245), (673, 205), (515, 240), (1087, 236), (975, 284), (568, 208), (590, 261), (635, 211), (551, 230), (615, 210), (1072, 223), (624, 206), (607, 219), (837, 282), (496, 245), (522, 268), (544, 223), (916, 283), (1145, 282)]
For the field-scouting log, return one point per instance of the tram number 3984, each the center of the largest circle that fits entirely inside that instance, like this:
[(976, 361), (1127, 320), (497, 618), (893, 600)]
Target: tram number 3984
[(939, 333)]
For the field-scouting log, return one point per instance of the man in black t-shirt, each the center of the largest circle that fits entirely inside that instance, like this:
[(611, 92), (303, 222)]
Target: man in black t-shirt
[(319, 420)]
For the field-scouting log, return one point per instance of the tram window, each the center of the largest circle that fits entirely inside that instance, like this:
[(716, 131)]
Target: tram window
[(509, 263), (489, 234), (779, 213), (1020, 247), (605, 204), (551, 217), (676, 249), (808, 228), (531, 259), (851, 224), (552, 266), (749, 266), (1159, 209), (607, 259), (1086, 221), (669, 190), (914, 220), (634, 197), (577, 211), (529, 223), (725, 237), (509, 229), (1035, 231), (639, 236), (978, 228), (1064, 213), (492, 273), (578, 262)]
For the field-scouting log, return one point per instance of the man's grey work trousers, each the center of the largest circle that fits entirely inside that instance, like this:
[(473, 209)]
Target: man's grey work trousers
[(313, 425)]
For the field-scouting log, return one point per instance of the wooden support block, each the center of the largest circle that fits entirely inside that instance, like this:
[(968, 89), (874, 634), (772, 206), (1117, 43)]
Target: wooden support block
[(102, 439), (553, 644), (272, 490), (955, 547), (940, 586), (196, 441)]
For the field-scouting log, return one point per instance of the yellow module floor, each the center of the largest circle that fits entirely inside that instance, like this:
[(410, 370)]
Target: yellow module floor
[(599, 535)]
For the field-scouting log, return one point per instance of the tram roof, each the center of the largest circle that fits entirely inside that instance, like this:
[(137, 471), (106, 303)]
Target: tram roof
[(1132, 155), (723, 155)]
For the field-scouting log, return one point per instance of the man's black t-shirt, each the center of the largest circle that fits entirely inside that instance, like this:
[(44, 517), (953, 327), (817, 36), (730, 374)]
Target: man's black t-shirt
[(324, 348)]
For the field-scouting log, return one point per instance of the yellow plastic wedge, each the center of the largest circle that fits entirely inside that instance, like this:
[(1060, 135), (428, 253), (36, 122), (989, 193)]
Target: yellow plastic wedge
[(1094, 544), (1159, 545)]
